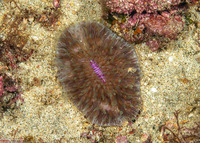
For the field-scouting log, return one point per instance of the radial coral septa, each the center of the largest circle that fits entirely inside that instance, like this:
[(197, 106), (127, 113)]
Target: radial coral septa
[(93, 68)]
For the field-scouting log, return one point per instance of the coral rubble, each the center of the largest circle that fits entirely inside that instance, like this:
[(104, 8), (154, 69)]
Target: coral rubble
[(144, 20)]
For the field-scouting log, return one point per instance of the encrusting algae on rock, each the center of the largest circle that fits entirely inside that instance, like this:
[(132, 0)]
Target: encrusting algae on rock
[(93, 64)]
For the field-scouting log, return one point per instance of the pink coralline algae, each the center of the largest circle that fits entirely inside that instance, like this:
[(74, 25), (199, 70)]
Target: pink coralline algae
[(56, 3), (152, 25), (164, 26), (9, 93), (121, 139), (128, 6), (147, 19)]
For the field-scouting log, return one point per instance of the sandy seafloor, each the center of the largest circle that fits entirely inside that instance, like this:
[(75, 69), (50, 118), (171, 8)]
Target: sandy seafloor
[(170, 81)]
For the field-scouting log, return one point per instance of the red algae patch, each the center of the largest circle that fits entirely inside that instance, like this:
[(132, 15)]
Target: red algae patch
[(94, 68)]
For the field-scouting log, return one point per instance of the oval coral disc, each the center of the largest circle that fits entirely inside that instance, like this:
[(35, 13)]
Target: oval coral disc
[(94, 68)]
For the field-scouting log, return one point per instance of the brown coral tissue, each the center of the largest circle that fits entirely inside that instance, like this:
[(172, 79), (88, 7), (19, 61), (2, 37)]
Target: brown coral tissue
[(100, 72)]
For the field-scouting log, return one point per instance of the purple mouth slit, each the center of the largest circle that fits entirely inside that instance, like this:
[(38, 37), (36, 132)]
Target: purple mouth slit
[(97, 70)]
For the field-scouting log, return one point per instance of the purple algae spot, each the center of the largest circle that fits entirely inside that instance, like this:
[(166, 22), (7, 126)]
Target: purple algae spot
[(93, 64)]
